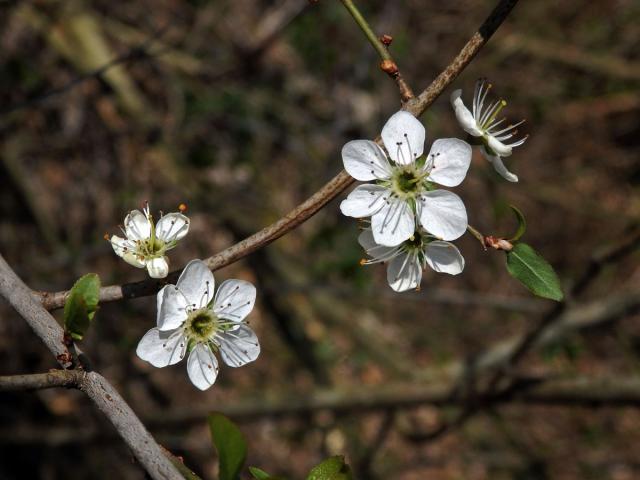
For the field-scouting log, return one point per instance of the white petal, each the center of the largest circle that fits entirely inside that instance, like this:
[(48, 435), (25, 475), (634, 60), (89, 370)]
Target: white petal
[(238, 347), (172, 226), (202, 366), (366, 241), (403, 136), (161, 349), (443, 214), (171, 308), (364, 160), (196, 283), (394, 224), (364, 201), (444, 257), (158, 267), (234, 300), (464, 116), (498, 147), (451, 160), (137, 226), (125, 249), (498, 165), (404, 273)]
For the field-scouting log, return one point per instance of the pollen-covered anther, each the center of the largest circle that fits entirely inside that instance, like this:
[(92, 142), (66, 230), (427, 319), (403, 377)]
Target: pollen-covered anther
[(182, 208)]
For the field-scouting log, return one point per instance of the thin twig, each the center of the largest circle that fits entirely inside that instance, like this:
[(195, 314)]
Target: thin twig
[(388, 64), (304, 211)]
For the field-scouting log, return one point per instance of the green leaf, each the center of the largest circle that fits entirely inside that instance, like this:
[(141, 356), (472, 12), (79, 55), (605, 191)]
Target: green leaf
[(81, 305), (534, 272), (259, 474), (522, 224), (230, 444), (333, 468)]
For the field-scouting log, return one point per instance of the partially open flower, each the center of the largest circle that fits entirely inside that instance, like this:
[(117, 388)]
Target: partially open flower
[(404, 193), (483, 123), (145, 244), (407, 261), (191, 319)]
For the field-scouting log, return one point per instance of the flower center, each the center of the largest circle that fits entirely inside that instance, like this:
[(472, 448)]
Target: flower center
[(201, 325), (407, 182)]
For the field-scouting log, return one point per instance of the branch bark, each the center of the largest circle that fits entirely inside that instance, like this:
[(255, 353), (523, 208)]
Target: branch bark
[(97, 388), (304, 211)]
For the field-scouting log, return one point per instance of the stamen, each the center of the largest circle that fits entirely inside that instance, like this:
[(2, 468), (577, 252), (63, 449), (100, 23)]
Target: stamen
[(498, 106)]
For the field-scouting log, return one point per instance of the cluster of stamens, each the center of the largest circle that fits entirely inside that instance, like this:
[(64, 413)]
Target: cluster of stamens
[(486, 120)]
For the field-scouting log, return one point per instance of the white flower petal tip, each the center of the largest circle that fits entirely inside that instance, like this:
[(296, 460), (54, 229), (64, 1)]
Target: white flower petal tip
[(158, 267), (499, 166), (239, 347), (162, 349), (197, 284), (364, 160), (407, 261), (444, 257), (191, 317), (443, 214), (450, 159), (202, 367), (364, 201), (146, 244), (403, 136)]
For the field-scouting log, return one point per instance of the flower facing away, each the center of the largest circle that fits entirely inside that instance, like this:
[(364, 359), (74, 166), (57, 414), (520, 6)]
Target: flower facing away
[(404, 193), (145, 244), (482, 122), (192, 320), (407, 261)]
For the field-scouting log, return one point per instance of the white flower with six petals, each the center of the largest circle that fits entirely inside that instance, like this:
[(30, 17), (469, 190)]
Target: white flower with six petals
[(404, 188), (407, 260), (482, 123), (145, 243), (191, 319)]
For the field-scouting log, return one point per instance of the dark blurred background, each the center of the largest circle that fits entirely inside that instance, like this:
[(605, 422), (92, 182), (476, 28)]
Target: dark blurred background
[(239, 109)]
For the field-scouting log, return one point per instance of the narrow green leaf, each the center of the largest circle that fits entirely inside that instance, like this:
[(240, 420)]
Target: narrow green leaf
[(534, 272), (333, 468), (522, 224), (230, 444), (259, 474), (81, 305)]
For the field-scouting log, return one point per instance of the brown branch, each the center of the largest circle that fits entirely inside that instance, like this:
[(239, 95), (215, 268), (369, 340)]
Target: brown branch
[(328, 192), (581, 391), (97, 388), (40, 381)]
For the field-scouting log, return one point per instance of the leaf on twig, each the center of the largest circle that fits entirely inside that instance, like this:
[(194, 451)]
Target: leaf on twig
[(534, 272), (81, 305)]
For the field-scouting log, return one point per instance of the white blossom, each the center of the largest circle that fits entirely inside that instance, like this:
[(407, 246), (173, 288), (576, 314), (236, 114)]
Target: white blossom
[(404, 194), (191, 319), (407, 260), (483, 123), (145, 244)]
